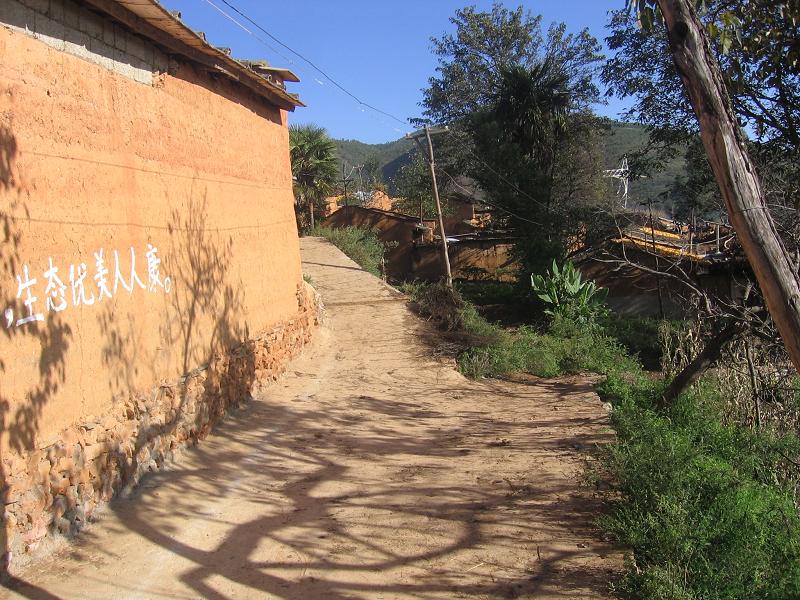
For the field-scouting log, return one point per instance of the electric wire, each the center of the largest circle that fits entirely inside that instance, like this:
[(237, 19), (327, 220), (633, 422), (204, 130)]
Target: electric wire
[(357, 99), (506, 181), (246, 30), (296, 53), (487, 202)]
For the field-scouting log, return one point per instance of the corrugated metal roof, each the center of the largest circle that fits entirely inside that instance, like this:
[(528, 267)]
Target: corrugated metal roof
[(151, 20)]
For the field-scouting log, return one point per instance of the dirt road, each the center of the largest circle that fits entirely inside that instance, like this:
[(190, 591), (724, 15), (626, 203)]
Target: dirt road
[(369, 471)]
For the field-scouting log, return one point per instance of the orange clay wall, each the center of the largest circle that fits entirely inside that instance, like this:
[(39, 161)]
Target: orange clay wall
[(102, 177)]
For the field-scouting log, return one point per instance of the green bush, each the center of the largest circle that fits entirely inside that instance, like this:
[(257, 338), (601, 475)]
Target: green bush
[(568, 296), (359, 243), (563, 350), (488, 350), (488, 292), (640, 337), (698, 502)]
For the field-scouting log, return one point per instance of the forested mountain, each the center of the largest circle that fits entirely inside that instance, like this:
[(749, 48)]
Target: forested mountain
[(621, 139)]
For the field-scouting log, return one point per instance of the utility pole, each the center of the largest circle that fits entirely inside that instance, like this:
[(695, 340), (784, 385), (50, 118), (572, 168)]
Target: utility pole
[(345, 180), (431, 163), (360, 181)]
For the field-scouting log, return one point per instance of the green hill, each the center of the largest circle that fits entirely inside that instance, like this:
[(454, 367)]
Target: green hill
[(390, 155), (624, 139), (621, 139)]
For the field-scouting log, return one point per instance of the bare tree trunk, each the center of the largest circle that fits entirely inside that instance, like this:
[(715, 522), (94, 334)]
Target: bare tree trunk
[(734, 171), (708, 356), (751, 369), (311, 212)]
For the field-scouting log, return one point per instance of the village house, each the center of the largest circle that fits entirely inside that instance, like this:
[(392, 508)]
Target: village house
[(150, 269), (413, 246)]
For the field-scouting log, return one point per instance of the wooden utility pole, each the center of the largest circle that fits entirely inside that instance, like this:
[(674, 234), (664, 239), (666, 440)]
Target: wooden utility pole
[(345, 180), (734, 171), (429, 157)]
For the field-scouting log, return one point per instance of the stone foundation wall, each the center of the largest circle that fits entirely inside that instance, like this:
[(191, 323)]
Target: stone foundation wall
[(55, 489)]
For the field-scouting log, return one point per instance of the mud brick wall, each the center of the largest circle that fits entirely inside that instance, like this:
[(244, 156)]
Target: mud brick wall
[(149, 258), (56, 488)]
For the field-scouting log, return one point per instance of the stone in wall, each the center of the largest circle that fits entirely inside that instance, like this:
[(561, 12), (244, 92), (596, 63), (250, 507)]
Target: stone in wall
[(55, 489)]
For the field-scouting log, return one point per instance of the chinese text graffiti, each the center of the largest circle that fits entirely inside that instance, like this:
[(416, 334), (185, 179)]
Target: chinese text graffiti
[(56, 297)]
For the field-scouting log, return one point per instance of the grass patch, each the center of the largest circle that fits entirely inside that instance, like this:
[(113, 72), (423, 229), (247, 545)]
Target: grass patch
[(488, 292), (359, 243), (488, 350), (699, 502), (545, 355)]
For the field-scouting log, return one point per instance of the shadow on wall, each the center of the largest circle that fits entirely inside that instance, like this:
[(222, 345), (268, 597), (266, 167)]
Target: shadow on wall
[(20, 416), (55, 489), (215, 374)]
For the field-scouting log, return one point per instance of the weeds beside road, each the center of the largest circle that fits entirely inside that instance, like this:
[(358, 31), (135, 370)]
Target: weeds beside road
[(358, 243)]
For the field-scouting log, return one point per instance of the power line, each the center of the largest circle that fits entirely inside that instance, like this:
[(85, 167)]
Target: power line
[(246, 30), (506, 181), (492, 204), (296, 53)]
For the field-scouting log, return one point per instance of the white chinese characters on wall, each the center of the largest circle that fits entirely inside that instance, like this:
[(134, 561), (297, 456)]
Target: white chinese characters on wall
[(83, 287)]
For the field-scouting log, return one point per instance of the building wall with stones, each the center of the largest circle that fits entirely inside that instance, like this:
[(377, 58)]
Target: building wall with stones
[(149, 266)]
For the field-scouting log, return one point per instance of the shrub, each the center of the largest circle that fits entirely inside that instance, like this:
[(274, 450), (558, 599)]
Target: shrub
[(359, 243), (698, 503), (567, 295), (438, 303), (547, 355), (641, 337)]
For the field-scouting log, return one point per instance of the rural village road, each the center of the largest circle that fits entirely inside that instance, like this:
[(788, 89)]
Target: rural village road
[(370, 470)]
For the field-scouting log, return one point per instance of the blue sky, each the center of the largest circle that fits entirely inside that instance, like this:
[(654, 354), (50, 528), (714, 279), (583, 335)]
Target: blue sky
[(378, 49)]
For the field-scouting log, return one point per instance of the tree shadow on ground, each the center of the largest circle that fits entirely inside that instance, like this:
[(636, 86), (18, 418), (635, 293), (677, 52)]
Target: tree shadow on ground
[(332, 531), (313, 493)]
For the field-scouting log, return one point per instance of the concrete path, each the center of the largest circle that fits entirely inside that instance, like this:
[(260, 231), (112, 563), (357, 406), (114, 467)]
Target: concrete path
[(369, 471)]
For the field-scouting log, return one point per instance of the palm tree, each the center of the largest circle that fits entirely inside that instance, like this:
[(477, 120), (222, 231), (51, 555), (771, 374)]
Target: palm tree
[(531, 105), (313, 155), (531, 108)]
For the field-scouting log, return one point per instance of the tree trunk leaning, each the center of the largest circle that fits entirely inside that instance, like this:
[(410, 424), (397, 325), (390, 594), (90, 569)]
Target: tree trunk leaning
[(699, 364), (734, 171)]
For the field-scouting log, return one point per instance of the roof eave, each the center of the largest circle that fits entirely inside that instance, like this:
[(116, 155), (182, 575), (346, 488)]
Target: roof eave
[(151, 20)]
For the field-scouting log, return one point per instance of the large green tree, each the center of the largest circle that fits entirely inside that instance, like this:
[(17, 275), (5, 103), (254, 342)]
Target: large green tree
[(756, 46), (539, 162), (313, 155), (415, 190), (472, 60), (516, 99)]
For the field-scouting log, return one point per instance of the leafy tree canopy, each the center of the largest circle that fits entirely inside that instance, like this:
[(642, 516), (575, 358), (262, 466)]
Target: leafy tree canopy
[(313, 156), (472, 60), (415, 191), (756, 43), (516, 97)]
